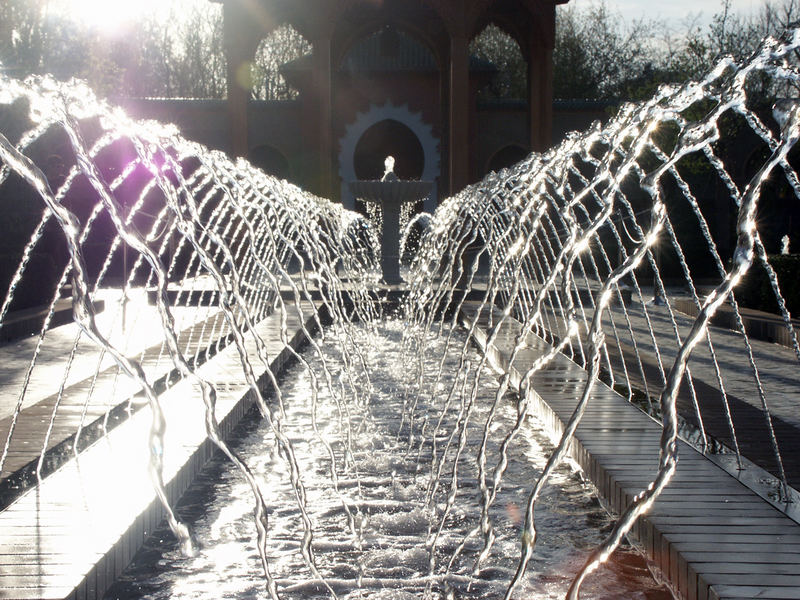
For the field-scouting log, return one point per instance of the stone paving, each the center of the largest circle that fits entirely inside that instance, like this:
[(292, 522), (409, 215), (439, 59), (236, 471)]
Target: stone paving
[(777, 366), (66, 403), (141, 330)]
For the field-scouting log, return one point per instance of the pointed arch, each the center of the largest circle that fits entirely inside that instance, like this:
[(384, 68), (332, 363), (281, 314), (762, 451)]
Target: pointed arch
[(376, 114), (388, 46), (497, 46), (283, 45)]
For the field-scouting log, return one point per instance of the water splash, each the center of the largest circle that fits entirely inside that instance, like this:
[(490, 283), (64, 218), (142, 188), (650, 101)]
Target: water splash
[(563, 242), (585, 246), (216, 233)]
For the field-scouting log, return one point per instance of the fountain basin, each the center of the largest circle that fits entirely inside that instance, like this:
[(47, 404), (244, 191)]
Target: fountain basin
[(386, 493), (108, 494), (390, 192)]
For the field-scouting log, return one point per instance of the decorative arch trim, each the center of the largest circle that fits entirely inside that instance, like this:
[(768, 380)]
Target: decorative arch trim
[(346, 43), (513, 146), (376, 114)]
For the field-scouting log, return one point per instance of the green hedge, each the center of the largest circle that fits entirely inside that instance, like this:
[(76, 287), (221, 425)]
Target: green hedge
[(38, 282), (755, 290)]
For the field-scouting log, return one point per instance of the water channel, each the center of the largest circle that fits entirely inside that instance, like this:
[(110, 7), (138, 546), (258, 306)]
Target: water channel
[(387, 487)]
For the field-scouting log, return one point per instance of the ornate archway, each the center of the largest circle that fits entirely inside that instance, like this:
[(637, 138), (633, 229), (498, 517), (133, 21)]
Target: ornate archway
[(270, 160), (376, 114), (505, 157)]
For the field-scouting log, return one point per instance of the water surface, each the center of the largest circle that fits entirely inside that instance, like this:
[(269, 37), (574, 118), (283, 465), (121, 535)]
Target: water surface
[(384, 549)]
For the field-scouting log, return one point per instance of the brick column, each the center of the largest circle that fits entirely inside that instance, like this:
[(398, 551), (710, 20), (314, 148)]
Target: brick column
[(238, 57), (322, 89), (458, 125), (540, 80), (540, 96)]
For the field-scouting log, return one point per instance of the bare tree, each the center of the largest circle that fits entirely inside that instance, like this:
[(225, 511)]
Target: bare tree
[(597, 55), (596, 51), (24, 34), (181, 56), (282, 46), (501, 50), (172, 55), (200, 51)]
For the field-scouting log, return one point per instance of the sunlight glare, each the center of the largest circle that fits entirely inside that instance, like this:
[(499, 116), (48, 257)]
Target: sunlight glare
[(111, 16)]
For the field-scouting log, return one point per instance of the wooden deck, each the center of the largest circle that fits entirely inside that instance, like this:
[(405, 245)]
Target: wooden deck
[(23, 323), (751, 428), (758, 324), (73, 534), (93, 405), (711, 536)]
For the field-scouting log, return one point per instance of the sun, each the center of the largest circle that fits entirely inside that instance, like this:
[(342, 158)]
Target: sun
[(109, 16), (106, 15)]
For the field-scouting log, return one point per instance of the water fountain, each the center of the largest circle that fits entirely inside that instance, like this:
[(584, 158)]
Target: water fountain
[(390, 194), (554, 241)]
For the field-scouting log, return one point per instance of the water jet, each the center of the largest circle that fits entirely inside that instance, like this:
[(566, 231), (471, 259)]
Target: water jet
[(449, 441)]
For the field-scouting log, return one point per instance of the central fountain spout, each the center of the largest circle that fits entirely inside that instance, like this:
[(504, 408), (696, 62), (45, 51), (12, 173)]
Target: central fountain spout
[(391, 193), (388, 169)]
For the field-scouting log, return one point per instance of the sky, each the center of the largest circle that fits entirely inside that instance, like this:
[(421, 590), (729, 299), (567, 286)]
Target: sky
[(109, 14), (674, 12)]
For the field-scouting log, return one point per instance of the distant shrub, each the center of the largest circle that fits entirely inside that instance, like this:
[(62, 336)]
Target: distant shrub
[(756, 292), (38, 283)]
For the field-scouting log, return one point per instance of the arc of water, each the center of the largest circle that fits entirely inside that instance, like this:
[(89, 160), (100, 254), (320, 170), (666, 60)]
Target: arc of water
[(487, 496), (743, 259), (15, 279), (595, 338), (604, 299), (84, 316), (209, 393), (460, 428), (467, 236), (314, 381), (437, 462)]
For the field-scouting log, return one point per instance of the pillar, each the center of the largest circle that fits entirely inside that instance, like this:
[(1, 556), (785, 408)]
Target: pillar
[(322, 102), (458, 145), (540, 80), (238, 54), (540, 96)]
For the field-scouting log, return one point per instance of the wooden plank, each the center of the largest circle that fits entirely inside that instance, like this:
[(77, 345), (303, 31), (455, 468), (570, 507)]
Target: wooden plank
[(709, 535), (110, 390), (69, 526), (752, 592)]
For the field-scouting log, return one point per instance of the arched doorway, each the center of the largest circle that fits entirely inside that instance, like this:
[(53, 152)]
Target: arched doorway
[(270, 160), (509, 80), (282, 46), (374, 131), (389, 138), (505, 157)]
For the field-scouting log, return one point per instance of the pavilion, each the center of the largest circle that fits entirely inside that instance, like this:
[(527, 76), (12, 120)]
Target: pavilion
[(383, 77)]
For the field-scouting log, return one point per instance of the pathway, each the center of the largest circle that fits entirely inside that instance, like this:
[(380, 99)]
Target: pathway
[(777, 368), (88, 395)]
